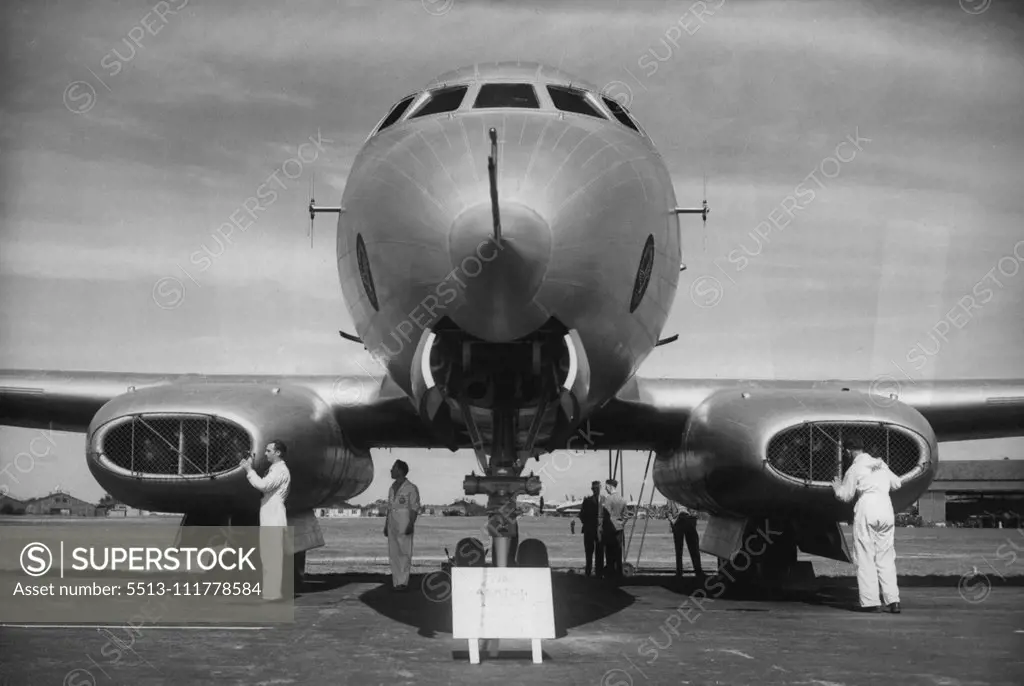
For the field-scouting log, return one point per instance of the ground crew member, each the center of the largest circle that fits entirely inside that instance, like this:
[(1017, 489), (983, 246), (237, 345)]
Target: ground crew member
[(273, 516), (684, 530), (870, 480), (590, 518), (613, 516), (403, 508)]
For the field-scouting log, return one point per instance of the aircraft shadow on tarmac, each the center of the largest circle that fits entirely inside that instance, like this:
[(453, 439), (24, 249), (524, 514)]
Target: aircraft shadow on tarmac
[(579, 600), (320, 583), (427, 604)]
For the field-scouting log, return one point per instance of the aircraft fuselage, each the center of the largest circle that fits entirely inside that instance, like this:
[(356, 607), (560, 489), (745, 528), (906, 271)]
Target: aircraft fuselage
[(581, 199)]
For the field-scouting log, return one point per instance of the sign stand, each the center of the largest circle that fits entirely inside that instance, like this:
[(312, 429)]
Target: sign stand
[(492, 603), (491, 646)]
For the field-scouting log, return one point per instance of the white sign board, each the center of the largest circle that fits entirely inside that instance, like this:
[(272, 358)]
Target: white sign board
[(502, 602)]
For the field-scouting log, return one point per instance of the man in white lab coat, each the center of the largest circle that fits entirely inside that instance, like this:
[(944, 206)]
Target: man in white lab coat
[(403, 508), (273, 516), (870, 481)]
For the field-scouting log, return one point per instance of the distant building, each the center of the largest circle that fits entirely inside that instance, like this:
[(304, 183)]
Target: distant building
[(456, 509), (378, 508), (11, 506), (990, 491), (464, 508), (122, 510), (62, 503), (338, 512)]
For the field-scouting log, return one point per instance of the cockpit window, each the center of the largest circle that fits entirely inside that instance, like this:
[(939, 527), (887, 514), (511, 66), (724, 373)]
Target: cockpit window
[(396, 113), (620, 113), (506, 95), (572, 100), (442, 100)]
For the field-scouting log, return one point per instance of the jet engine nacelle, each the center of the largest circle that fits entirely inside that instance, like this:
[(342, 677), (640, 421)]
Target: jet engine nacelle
[(773, 453), (177, 448)]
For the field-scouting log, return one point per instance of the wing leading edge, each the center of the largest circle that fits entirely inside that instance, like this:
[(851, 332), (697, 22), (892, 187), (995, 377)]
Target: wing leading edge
[(646, 414), (651, 413), (373, 411)]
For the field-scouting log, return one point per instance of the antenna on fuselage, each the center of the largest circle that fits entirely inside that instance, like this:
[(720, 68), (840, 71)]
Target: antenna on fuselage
[(703, 211), (492, 175), (705, 226), (314, 208)]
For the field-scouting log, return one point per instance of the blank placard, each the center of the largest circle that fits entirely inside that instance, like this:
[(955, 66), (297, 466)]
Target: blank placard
[(502, 602)]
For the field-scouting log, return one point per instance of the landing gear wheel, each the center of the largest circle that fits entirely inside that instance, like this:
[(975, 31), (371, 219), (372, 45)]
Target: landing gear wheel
[(627, 569)]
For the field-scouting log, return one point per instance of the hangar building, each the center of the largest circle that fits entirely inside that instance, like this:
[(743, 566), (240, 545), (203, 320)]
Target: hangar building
[(972, 488), (62, 503)]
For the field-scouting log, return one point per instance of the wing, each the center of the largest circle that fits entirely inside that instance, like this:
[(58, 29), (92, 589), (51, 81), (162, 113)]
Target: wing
[(741, 449), (728, 447), (373, 411), (645, 414), (653, 413)]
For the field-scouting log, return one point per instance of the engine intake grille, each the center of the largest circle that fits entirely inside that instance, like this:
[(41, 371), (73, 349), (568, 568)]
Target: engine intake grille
[(175, 445), (813, 452)]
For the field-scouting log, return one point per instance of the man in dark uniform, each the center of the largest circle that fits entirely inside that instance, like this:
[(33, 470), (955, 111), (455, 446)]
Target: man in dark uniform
[(684, 530), (589, 516)]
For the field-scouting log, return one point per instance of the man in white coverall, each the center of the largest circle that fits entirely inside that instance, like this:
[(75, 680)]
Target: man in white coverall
[(273, 517), (870, 480), (403, 508)]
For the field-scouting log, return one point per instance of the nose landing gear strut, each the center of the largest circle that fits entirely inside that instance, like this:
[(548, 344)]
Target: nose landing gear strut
[(501, 484)]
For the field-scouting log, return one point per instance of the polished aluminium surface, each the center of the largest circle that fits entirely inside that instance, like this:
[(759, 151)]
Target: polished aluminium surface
[(722, 465), (324, 466), (579, 198)]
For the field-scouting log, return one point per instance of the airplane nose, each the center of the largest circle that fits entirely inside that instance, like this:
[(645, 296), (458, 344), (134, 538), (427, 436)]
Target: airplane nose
[(499, 279)]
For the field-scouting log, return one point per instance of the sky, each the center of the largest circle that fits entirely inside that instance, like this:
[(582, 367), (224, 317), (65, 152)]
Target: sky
[(131, 131)]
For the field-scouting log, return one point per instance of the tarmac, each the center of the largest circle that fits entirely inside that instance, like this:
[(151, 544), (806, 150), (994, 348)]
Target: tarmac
[(352, 629)]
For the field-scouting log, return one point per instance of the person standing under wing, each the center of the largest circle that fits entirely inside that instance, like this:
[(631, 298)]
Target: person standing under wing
[(684, 530), (273, 516), (590, 517), (613, 522), (403, 508), (870, 481)]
